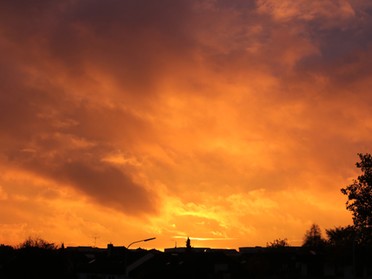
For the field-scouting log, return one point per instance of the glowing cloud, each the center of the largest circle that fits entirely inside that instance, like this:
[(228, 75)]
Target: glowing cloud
[(232, 122)]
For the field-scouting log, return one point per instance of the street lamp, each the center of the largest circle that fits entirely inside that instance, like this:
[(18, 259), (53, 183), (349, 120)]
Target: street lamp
[(143, 240), (126, 252)]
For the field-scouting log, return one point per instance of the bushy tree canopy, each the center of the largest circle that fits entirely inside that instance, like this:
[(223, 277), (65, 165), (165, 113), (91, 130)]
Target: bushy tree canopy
[(341, 236), (359, 193), (278, 243), (37, 243), (313, 238)]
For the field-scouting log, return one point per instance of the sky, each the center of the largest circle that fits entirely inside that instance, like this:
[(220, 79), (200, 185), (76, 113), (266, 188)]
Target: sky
[(232, 122)]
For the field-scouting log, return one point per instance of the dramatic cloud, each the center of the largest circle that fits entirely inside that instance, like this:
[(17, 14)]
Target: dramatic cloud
[(234, 122)]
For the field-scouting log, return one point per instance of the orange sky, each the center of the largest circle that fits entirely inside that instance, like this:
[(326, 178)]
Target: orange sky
[(232, 122)]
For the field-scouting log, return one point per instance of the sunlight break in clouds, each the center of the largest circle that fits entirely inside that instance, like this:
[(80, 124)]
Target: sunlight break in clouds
[(231, 122)]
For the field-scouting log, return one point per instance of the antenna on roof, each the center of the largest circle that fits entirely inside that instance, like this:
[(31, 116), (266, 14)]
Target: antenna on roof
[(95, 240)]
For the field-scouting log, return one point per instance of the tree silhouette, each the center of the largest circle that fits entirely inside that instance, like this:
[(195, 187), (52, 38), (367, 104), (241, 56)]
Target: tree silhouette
[(313, 238), (278, 243), (37, 243), (341, 236), (36, 258), (359, 193)]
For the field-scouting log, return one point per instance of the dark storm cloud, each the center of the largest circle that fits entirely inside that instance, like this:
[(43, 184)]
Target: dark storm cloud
[(341, 43), (42, 40), (46, 39), (133, 41), (46, 124), (108, 185), (34, 139), (58, 56)]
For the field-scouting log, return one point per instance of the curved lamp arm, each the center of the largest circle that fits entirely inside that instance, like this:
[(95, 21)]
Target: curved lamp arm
[(142, 240)]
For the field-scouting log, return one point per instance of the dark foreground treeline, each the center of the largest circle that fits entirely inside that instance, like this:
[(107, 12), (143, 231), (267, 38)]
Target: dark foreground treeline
[(273, 261)]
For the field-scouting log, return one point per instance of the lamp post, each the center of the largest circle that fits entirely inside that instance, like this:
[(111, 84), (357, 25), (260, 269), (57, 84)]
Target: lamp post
[(143, 240), (126, 252)]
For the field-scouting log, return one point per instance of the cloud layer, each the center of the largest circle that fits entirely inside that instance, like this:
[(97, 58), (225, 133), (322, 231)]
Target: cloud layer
[(223, 115)]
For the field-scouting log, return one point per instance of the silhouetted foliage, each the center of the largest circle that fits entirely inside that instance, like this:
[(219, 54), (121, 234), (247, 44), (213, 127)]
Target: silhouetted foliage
[(278, 243), (36, 258), (313, 238), (341, 236), (37, 243), (359, 193)]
